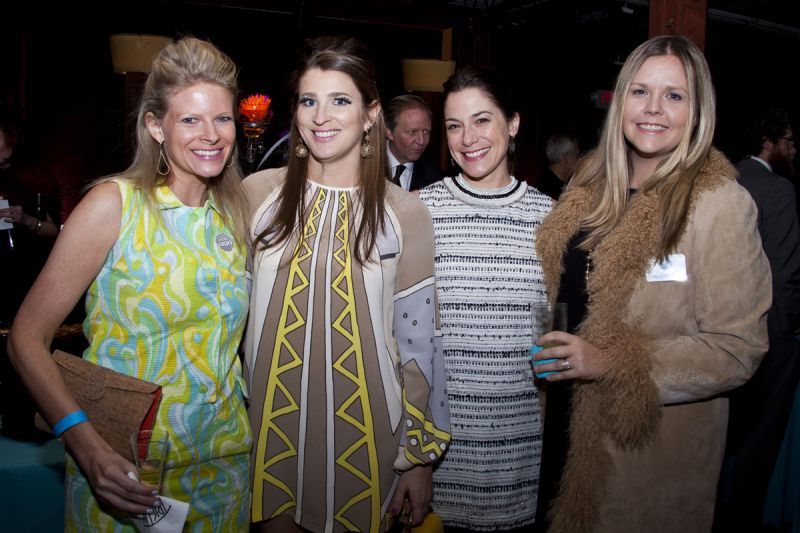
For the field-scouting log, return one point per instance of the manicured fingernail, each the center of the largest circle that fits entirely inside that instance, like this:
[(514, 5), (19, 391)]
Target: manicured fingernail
[(536, 349), (394, 511), (154, 493)]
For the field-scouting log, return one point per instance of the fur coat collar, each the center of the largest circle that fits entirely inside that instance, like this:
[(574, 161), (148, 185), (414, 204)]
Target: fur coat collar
[(622, 408)]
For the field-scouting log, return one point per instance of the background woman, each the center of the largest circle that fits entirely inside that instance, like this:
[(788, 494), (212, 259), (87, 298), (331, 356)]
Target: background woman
[(162, 249), (487, 277), (654, 246), (340, 351), (32, 192), (35, 211)]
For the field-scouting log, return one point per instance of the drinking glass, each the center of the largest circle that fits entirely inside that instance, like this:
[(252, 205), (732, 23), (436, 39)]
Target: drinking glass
[(150, 450), (545, 318)]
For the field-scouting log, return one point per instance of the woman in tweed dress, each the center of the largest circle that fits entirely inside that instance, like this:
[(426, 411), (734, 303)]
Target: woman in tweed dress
[(487, 278)]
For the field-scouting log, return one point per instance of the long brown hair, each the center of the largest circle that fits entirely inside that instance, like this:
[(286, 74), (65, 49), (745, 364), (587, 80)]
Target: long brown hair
[(348, 56), (607, 168)]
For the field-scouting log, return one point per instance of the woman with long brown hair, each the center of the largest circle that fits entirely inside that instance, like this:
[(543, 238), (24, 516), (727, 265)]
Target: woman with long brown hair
[(347, 397)]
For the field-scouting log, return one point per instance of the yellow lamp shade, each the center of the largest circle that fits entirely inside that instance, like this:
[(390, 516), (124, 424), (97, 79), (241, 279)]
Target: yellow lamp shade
[(135, 52), (426, 74)]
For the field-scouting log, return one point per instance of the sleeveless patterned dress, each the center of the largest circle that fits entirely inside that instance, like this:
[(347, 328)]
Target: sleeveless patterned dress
[(169, 306), (346, 386)]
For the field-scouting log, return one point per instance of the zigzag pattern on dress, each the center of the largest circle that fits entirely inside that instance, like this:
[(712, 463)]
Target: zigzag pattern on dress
[(278, 401), (353, 357)]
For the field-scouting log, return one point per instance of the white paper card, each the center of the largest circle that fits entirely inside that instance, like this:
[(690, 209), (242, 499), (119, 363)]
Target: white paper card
[(673, 268), (168, 516), (4, 224)]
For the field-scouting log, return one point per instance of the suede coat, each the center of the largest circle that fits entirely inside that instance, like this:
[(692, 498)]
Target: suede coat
[(647, 438)]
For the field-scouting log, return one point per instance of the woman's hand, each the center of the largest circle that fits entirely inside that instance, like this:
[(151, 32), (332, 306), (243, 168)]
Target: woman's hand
[(416, 486), (42, 228), (14, 214), (107, 471), (576, 358)]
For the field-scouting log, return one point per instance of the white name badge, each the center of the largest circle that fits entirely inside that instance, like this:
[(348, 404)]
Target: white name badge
[(673, 268)]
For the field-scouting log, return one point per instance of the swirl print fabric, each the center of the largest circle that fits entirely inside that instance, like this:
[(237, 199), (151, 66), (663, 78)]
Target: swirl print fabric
[(169, 306)]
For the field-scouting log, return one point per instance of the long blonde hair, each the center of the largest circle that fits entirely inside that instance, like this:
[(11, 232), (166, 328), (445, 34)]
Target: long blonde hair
[(608, 168), (348, 56), (182, 64)]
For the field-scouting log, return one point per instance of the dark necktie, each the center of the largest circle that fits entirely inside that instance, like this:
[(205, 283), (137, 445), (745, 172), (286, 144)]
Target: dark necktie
[(398, 171)]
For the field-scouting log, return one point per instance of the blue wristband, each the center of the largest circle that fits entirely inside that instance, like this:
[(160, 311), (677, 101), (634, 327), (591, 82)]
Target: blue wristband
[(68, 421)]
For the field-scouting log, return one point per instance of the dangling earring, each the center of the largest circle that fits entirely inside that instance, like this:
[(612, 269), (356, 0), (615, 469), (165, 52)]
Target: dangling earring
[(367, 150), (162, 161), (229, 164), (511, 146), (300, 150)]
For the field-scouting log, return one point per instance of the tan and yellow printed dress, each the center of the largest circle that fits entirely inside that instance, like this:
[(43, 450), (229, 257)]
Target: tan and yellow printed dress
[(346, 376)]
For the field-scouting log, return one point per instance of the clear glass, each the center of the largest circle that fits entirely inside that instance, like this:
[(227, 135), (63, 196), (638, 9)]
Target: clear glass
[(150, 451), (545, 318)]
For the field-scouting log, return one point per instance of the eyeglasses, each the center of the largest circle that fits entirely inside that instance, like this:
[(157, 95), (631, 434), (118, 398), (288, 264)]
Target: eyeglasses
[(789, 140)]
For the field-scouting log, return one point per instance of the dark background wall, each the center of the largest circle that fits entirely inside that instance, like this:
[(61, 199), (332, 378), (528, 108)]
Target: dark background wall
[(57, 76)]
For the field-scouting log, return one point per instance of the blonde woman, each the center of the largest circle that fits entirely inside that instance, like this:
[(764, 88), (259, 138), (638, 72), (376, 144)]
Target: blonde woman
[(655, 249), (162, 250)]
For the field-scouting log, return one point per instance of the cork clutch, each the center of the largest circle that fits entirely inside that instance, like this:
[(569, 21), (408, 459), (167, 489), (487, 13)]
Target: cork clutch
[(116, 404)]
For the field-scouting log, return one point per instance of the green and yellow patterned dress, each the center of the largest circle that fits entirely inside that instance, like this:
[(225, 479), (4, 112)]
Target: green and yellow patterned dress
[(169, 306), (347, 389)]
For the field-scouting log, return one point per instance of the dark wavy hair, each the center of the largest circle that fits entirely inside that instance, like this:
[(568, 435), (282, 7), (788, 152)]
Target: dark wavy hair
[(493, 84)]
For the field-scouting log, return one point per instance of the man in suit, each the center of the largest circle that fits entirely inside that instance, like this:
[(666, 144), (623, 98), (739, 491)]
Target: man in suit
[(760, 409), (408, 130)]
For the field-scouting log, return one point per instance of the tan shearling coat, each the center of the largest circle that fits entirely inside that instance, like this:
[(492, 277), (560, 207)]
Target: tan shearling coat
[(647, 438)]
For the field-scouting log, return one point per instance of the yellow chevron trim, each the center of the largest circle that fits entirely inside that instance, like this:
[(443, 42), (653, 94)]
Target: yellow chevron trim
[(296, 284), (342, 285), (427, 428)]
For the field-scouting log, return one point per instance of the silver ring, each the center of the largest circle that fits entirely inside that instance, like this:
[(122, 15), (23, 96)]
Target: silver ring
[(565, 365)]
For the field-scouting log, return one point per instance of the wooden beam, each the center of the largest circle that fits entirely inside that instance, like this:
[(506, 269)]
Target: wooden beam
[(679, 17), (447, 44)]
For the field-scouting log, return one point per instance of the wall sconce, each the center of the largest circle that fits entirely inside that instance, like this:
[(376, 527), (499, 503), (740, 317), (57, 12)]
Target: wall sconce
[(132, 52), (426, 74)]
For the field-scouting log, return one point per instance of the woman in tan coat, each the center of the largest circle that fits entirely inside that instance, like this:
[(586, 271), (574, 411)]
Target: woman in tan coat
[(654, 247)]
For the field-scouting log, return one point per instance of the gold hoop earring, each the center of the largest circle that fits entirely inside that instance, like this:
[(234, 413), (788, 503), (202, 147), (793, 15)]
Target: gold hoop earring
[(162, 161), (367, 151), (301, 151)]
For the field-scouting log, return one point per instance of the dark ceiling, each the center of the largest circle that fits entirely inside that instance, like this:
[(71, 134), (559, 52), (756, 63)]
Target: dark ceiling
[(766, 15), (778, 16), (556, 53)]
